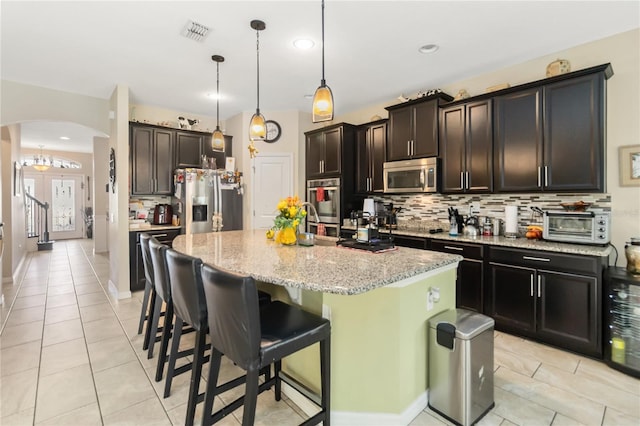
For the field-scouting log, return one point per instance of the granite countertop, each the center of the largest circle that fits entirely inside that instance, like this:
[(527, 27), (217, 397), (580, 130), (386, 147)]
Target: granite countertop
[(324, 268), (520, 243), (137, 228)]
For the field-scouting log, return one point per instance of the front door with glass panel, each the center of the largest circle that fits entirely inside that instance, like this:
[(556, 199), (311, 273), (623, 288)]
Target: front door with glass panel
[(64, 195)]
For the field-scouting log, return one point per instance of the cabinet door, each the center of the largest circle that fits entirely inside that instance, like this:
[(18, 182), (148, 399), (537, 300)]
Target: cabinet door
[(377, 152), (362, 160), (452, 148), (425, 130), (315, 154), (469, 288), (479, 147), (163, 161), (569, 311), (518, 141), (188, 150), (574, 134), (142, 160), (512, 303), (332, 152), (400, 133)]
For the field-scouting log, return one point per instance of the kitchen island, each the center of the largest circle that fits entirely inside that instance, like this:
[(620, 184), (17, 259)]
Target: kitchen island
[(378, 304)]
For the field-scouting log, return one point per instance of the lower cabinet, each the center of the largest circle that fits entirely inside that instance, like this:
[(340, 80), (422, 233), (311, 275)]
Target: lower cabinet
[(469, 282), (561, 307), (136, 263)]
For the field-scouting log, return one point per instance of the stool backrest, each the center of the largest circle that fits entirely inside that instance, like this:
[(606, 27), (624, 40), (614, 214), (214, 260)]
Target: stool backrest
[(159, 265), (185, 279), (234, 315), (146, 257)]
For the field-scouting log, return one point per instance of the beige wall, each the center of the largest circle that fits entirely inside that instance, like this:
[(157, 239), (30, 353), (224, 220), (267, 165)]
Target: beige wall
[(100, 195), (623, 110)]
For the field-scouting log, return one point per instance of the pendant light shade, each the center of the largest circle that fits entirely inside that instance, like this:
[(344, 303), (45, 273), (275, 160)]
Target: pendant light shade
[(323, 98), (40, 163), (217, 139), (257, 126)]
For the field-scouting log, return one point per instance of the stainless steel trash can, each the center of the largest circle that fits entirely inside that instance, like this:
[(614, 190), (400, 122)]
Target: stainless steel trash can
[(461, 365)]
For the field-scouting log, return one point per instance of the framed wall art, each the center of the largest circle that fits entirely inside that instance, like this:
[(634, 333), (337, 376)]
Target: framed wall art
[(629, 160)]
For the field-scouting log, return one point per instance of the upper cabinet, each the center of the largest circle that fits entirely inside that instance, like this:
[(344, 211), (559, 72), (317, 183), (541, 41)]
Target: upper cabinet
[(328, 150), (413, 128), (151, 160), (371, 143), (466, 147), (550, 137), (189, 149)]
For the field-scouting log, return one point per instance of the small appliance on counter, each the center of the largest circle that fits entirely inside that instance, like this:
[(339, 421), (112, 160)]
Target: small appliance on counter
[(632, 252), (578, 227), (162, 214)]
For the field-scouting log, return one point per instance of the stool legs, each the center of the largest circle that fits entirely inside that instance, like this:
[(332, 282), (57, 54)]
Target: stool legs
[(250, 397), (164, 343), (171, 367), (147, 333), (196, 372), (145, 306), (157, 308), (325, 379)]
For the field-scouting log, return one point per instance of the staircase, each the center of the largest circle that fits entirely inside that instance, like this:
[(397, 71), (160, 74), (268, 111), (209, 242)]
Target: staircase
[(36, 221)]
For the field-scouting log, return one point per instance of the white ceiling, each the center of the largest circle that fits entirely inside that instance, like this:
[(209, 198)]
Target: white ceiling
[(88, 47)]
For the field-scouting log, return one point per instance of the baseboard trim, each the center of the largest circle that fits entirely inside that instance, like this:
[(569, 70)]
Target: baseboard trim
[(346, 418), (118, 295)]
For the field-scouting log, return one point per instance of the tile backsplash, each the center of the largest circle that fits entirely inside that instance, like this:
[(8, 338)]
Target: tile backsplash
[(434, 207)]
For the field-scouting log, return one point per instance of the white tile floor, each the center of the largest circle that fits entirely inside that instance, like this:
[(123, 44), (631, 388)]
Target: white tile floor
[(70, 355)]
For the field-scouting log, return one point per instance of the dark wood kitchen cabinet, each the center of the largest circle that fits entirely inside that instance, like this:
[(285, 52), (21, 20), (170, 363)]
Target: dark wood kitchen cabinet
[(466, 147), (413, 128), (550, 137), (136, 263), (552, 297), (328, 150), (371, 143), (151, 160), (470, 278), (189, 149)]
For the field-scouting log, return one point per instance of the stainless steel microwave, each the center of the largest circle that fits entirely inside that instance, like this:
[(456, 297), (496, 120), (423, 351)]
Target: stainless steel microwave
[(419, 175), (592, 227)]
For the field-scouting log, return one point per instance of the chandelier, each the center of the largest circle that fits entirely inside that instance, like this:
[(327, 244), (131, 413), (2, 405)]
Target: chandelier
[(40, 162)]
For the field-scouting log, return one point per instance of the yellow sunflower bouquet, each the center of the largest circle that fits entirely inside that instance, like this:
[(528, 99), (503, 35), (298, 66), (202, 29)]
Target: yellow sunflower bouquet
[(290, 215)]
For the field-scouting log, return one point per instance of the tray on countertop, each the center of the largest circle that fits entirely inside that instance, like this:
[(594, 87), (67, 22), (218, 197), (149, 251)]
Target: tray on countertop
[(377, 246)]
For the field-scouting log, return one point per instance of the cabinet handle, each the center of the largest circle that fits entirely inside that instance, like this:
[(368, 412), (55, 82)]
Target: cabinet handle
[(531, 281), (539, 259), (539, 177), (159, 235), (466, 184), (538, 286), (409, 148), (461, 180), (454, 248), (546, 176), (413, 147)]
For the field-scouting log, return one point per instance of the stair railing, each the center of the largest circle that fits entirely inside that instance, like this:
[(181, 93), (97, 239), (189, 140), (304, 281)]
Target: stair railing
[(39, 216)]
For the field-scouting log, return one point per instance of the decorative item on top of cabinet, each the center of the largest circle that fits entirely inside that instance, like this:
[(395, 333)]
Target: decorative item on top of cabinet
[(557, 67), (371, 142), (413, 128)]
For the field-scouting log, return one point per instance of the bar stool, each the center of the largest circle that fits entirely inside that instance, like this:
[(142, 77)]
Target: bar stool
[(149, 298), (254, 338)]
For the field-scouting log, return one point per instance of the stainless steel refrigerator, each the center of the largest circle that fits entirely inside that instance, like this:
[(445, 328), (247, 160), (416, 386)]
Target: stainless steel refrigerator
[(205, 203)]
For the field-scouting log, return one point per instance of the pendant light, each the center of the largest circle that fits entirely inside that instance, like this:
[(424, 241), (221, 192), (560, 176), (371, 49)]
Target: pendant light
[(257, 126), (40, 163), (323, 98), (217, 140)]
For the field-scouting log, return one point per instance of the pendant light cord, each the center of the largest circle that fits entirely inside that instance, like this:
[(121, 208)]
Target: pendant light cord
[(323, 81), (258, 70), (217, 95)]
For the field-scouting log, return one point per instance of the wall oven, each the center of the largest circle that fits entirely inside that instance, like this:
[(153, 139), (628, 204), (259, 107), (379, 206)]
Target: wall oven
[(419, 175), (577, 227), (324, 195)]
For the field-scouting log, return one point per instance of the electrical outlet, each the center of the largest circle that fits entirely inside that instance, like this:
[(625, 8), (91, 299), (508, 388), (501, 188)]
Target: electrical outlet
[(474, 208), (429, 300)]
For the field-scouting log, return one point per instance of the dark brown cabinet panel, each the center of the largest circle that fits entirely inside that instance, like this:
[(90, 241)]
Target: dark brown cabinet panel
[(574, 134), (189, 149), (413, 128), (551, 137), (151, 160), (528, 297), (371, 142), (518, 141), (470, 278), (466, 147), (328, 149)]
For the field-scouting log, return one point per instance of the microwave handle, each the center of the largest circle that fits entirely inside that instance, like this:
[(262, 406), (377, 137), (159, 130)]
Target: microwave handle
[(422, 178)]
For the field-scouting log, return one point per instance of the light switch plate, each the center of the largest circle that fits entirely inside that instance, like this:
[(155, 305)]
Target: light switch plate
[(474, 208)]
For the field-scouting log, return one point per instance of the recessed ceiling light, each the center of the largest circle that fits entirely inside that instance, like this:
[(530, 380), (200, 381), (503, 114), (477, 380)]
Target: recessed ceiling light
[(428, 48), (65, 138), (303, 43)]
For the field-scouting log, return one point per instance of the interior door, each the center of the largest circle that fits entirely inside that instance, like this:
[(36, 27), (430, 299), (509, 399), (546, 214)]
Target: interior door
[(272, 181)]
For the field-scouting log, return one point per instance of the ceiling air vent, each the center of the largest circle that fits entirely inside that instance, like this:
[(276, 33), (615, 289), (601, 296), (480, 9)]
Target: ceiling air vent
[(195, 31)]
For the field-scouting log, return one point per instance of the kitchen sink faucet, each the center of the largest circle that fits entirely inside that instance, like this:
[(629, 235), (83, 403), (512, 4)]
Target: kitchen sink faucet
[(315, 212)]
